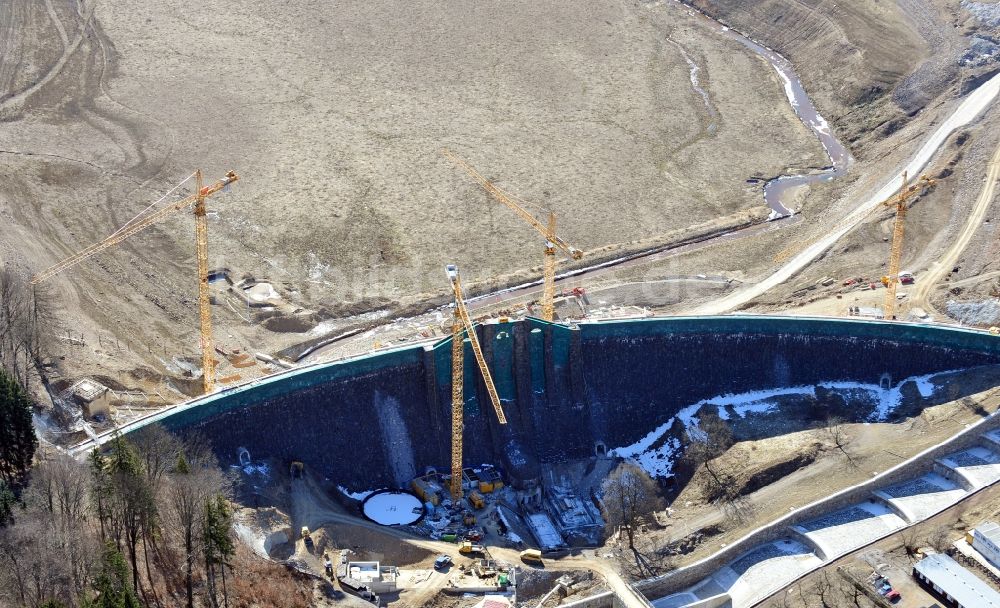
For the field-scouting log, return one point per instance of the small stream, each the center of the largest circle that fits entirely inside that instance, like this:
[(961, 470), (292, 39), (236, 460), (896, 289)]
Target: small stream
[(780, 191)]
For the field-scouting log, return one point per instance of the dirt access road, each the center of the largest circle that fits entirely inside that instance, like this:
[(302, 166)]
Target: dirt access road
[(310, 506), (965, 113), (343, 202), (938, 270)]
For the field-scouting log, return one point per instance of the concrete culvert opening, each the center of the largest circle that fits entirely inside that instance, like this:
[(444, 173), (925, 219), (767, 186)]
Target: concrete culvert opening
[(885, 382)]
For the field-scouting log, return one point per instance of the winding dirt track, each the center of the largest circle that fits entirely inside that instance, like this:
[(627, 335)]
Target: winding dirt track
[(938, 270), (971, 107)]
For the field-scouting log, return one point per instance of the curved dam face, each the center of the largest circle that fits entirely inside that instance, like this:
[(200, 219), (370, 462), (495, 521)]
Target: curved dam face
[(569, 392)]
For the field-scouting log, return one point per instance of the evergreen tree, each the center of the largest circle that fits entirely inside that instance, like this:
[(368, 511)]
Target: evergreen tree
[(7, 502), (218, 543), (17, 431), (111, 585)]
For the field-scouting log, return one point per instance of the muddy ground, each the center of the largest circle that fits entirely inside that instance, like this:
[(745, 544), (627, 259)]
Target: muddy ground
[(333, 115)]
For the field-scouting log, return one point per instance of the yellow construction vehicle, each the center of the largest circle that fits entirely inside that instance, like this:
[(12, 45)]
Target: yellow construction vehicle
[(470, 548), (476, 500), (531, 556), (462, 326), (143, 221), (427, 488), (898, 203), (547, 230)]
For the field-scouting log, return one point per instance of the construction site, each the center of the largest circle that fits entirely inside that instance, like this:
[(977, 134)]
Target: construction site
[(672, 304)]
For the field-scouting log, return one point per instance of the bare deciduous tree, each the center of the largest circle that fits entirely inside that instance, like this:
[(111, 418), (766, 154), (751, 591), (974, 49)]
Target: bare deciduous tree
[(628, 495), (195, 480), (836, 432), (24, 321), (49, 553), (706, 447)]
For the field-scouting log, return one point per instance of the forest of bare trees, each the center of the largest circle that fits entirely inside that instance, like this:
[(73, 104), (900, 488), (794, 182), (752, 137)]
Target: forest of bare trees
[(25, 321), (145, 523)]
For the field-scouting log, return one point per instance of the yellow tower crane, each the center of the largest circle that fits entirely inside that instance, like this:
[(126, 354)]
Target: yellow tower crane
[(463, 325), (197, 200), (898, 202), (547, 230)]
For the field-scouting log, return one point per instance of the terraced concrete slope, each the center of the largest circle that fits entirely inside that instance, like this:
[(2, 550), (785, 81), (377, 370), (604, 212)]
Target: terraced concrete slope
[(772, 565)]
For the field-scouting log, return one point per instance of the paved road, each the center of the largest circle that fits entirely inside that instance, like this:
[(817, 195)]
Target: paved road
[(971, 107), (938, 270)]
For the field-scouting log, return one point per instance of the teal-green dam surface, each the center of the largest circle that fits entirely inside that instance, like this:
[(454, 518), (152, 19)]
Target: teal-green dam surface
[(377, 420)]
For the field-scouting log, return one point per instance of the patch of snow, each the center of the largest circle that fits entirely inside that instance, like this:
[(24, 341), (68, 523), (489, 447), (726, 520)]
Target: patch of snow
[(254, 469), (261, 292), (355, 495), (543, 529), (250, 538), (393, 508), (659, 462), (323, 327)]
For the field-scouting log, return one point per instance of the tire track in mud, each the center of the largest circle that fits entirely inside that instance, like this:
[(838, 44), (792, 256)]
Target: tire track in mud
[(13, 102), (12, 18), (57, 23), (102, 85)]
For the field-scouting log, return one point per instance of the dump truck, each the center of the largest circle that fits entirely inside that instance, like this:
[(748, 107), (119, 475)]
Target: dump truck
[(531, 556), (476, 500)]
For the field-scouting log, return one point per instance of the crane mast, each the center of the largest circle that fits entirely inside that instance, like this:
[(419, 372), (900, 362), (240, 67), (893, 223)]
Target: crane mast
[(204, 303), (898, 202), (457, 405), (547, 230), (549, 274), (462, 324), (197, 201)]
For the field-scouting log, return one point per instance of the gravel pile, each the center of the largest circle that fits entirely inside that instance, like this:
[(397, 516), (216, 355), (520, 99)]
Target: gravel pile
[(982, 313)]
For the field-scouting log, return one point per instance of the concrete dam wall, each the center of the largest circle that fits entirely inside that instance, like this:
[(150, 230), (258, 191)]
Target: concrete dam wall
[(567, 391)]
